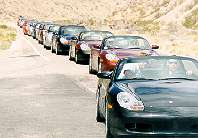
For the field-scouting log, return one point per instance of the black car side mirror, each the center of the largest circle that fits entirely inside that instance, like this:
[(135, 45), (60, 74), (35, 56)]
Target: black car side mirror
[(74, 38), (96, 46), (56, 33), (155, 47), (104, 75)]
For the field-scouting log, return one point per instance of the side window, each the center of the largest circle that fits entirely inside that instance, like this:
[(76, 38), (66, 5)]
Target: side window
[(191, 68), (188, 65)]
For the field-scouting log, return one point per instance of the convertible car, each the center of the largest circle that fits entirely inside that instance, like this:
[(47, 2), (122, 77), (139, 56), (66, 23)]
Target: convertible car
[(113, 48), (61, 39), (47, 40), (80, 50), (150, 97)]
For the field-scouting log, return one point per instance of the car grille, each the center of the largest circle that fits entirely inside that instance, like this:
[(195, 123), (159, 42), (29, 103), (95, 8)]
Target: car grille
[(164, 125)]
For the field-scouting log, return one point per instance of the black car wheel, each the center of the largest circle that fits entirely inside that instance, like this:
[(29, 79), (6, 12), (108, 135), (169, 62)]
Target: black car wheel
[(57, 50), (98, 115), (70, 52), (107, 127), (90, 65), (77, 58), (99, 66), (52, 50)]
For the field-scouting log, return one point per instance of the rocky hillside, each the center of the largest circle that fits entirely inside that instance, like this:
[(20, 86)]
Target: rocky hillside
[(59, 9), (172, 24)]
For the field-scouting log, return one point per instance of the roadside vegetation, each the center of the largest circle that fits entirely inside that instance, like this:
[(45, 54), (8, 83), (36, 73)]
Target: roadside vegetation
[(7, 35), (191, 21)]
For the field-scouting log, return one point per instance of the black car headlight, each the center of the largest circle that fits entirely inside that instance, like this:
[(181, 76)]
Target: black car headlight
[(84, 46), (128, 101), (64, 41)]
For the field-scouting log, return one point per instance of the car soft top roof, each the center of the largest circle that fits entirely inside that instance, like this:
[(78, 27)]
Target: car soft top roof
[(128, 59), (127, 36)]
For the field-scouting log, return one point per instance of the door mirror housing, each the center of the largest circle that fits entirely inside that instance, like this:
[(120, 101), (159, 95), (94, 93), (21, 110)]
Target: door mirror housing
[(56, 33), (155, 47), (74, 38), (104, 75), (96, 46)]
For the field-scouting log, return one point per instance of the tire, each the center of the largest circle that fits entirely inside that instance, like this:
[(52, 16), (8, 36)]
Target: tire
[(70, 56), (52, 50), (77, 58), (90, 65), (56, 51), (99, 66), (98, 116), (107, 127)]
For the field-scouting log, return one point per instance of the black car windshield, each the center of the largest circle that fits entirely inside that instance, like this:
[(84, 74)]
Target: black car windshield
[(126, 42), (74, 30), (95, 35), (55, 28), (159, 69)]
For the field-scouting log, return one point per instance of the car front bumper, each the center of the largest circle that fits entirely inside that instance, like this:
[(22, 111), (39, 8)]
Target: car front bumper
[(151, 125)]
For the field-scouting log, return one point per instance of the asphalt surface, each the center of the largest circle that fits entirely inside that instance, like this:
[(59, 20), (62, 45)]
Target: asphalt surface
[(45, 96)]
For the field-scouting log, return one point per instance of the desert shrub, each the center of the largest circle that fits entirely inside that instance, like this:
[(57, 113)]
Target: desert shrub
[(147, 26), (3, 26), (191, 21), (7, 35)]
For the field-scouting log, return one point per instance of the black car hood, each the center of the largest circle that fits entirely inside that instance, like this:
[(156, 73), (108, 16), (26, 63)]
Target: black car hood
[(171, 97)]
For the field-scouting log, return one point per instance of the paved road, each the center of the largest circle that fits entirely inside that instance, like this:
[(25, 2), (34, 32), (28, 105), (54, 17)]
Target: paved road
[(45, 96)]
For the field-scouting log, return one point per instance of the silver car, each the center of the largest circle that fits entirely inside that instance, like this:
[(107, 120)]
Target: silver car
[(47, 41)]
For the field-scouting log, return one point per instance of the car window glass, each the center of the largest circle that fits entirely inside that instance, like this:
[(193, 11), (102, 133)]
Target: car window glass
[(127, 43), (159, 69), (94, 35), (73, 30)]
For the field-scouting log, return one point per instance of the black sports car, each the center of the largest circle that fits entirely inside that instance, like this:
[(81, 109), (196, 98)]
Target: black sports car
[(150, 97), (61, 39)]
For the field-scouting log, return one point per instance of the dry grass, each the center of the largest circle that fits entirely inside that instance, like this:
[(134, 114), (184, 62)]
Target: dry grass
[(147, 26), (176, 49), (191, 21), (7, 35)]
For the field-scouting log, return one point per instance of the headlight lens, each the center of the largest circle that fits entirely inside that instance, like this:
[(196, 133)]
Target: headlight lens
[(63, 41), (112, 57), (128, 101), (84, 46)]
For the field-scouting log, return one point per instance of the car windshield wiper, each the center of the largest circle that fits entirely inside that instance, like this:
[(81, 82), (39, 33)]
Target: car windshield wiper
[(176, 78), (138, 79), (115, 48), (134, 48)]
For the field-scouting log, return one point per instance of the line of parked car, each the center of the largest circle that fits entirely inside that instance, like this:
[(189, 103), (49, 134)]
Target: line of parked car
[(139, 92), (100, 48)]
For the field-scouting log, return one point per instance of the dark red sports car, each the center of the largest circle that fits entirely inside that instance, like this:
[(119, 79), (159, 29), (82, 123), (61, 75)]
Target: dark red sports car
[(113, 48), (80, 50)]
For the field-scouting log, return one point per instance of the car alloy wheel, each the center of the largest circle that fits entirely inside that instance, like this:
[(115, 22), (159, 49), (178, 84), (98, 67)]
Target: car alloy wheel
[(57, 52), (90, 65), (107, 127), (98, 116), (51, 49), (52, 46), (77, 58), (99, 66), (70, 51)]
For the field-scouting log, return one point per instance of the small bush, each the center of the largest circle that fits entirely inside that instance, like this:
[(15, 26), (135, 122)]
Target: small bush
[(148, 26), (7, 35), (191, 21), (4, 45), (2, 26)]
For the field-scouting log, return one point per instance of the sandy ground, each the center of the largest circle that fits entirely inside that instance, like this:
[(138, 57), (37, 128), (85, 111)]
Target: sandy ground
[(44, 95), (116, 16), (26, 47)]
